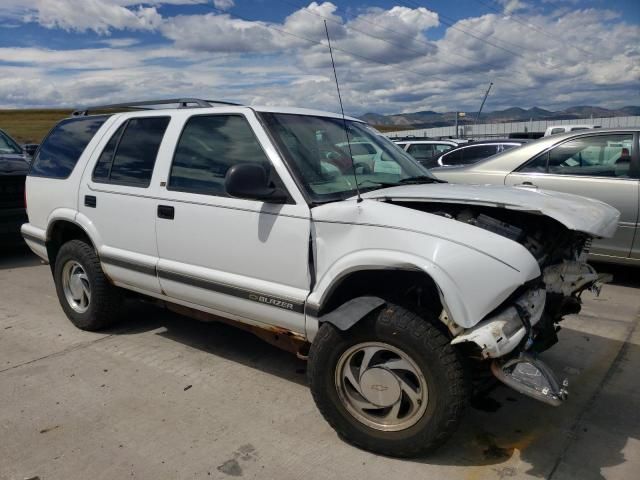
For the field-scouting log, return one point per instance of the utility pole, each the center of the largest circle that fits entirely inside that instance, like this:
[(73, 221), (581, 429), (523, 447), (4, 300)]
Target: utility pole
[(483, 100), (457, 114)]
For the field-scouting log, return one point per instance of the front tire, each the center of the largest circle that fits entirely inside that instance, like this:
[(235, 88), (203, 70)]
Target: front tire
[(84, 292), (392, 384)]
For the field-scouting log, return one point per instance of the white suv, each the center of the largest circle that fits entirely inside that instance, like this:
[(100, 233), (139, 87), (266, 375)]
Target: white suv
[(251, 215)]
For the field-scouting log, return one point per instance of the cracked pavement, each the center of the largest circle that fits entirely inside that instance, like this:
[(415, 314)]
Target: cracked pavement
[(165, 397)]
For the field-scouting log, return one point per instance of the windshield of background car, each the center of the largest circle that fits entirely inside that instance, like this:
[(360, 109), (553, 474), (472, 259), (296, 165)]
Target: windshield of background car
[(318, 153), (7, 145)]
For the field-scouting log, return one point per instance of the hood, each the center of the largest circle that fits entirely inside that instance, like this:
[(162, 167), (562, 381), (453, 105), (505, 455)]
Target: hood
[(577, 213), (13, 164)]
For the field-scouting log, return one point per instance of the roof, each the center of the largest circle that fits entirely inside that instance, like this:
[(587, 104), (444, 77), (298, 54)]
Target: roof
[(429, 142), (204, 106)]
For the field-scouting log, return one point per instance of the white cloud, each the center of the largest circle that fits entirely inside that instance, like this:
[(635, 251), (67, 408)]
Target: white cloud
[(224, 4), (221, 56)]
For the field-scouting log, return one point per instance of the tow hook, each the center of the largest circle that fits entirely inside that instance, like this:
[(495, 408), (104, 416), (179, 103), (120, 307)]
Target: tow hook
[(532, 377)]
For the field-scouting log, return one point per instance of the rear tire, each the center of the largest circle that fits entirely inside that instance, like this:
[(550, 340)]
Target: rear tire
[(84, 292), (398, 346)]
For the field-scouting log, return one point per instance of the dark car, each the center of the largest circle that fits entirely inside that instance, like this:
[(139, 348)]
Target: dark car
[(14, 167), (475, 151)]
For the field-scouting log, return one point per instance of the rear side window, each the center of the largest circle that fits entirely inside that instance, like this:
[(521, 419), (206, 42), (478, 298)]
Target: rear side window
[(208, 147), (62, 148), (130, 155), (421, 151), (453, 158)]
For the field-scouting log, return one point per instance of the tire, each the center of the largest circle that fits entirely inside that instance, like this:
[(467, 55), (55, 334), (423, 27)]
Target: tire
[(392, 329), (101, 306)]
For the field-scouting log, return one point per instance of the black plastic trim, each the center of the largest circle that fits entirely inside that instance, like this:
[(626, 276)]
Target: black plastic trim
[(136, 267), (278, 302)]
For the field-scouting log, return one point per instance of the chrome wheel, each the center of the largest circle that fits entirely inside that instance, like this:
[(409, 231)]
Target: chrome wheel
[(381, 386), (76, 287)]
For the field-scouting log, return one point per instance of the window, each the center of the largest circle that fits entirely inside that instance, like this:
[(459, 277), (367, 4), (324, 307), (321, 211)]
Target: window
[(103, 166), (361, 148), (453, 158), (62, 148), (130, 155), (595, 156), (208, 147), (440, 148), (7, 145), (557, 130), (421, 151), (478, 152), (312, 148)]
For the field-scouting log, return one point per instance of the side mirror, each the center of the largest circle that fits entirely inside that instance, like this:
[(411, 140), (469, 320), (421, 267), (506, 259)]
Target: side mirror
[(30, 148), (249, 180)]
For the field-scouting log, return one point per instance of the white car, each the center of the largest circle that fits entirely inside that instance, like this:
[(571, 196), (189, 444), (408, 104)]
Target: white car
[(427, 151), (396, 291), (556, 129)]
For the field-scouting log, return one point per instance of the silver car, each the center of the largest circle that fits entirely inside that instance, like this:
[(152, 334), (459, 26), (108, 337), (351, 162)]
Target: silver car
[(601, 164)]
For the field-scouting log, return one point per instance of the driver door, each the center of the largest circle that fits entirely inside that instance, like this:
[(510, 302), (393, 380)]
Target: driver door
[(594, 166)]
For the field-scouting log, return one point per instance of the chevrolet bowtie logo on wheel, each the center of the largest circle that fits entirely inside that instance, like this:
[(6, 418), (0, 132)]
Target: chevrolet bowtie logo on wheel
[(379, 388)]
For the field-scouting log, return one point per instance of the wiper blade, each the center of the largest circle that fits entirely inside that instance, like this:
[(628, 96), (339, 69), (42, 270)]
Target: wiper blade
[(377, 183), (420, 179)]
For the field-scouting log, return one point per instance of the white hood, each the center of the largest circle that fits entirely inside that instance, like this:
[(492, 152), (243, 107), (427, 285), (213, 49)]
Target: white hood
[(574, 212)]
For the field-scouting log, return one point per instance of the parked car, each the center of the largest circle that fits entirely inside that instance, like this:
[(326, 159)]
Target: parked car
[(601, 164), (475, 151), (226, 212), (13, 171), (555, 129), (427, 151)]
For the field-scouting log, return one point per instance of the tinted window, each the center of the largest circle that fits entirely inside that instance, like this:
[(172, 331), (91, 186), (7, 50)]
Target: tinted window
[(103, 166), (453, 158), (62, 148), (478, 152), (557, 130), (208, 147), (136, 149), (7, 145)]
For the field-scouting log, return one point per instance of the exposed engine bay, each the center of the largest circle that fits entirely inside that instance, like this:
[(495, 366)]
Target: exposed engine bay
[(527, 322)]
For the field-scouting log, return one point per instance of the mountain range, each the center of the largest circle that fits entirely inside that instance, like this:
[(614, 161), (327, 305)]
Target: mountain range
[(428, 118)]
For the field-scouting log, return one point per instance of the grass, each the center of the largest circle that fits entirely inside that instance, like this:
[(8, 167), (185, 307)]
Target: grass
[(30, 126)]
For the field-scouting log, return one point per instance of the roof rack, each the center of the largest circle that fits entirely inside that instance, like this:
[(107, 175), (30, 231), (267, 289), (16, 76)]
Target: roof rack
[(181, 102)]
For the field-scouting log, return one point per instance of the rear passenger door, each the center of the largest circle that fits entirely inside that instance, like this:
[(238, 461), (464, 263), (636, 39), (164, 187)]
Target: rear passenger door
[(117, 198), (600, 166), (235, 257)]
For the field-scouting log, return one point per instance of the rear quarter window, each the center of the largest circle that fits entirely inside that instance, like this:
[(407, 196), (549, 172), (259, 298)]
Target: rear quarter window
[(61, 149)]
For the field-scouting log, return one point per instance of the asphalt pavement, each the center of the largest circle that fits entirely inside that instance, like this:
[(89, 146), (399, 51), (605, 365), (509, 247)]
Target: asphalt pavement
[(162, 396)]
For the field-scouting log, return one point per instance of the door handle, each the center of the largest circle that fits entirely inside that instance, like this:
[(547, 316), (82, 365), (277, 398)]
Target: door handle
[(166, 212), (526, 184)]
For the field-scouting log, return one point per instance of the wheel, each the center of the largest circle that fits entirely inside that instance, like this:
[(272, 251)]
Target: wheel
[(392, 384), (86, 296)]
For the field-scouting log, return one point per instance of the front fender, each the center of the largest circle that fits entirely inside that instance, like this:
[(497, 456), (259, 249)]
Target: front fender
[(470, 284)]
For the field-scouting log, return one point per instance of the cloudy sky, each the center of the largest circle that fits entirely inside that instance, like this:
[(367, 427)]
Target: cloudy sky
[(391, 56)]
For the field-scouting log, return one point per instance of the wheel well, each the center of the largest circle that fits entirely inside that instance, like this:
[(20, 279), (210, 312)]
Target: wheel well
[(60, 233), (414, 290)]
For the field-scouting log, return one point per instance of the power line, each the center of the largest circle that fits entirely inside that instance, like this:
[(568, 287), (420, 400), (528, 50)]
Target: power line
[(348, 52), (532, 26), (442, 18), (393, 43)]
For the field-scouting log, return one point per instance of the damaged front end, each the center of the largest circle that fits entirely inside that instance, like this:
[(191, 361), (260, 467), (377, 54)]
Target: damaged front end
[(527, 323)]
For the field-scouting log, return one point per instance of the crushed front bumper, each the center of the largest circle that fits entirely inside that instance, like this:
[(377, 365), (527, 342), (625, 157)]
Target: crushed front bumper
[(502, 332)]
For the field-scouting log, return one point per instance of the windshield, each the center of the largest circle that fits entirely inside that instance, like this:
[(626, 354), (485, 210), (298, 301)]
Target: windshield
[(317, 151), (7, 145)]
